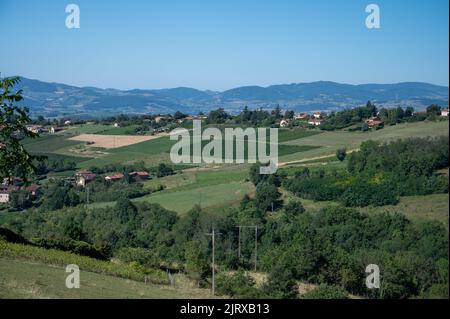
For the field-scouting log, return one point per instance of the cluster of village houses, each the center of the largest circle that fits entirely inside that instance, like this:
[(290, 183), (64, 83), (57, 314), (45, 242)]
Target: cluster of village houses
[(42, 129), (317, 118), (10, 186), (82, 178)]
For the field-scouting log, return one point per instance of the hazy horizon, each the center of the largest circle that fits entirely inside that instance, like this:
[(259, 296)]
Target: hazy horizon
[(210, 90), (225, 44)]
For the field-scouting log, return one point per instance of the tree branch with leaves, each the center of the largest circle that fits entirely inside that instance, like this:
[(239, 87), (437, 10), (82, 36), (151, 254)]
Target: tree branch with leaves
[(14, 158)]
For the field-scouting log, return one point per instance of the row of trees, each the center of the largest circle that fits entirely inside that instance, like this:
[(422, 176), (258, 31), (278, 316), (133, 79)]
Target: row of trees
[(247, 117), (379, 173)]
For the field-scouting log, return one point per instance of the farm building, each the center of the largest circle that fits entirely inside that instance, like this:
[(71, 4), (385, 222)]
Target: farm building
[(4, 197), (84, 177), (55, 129), (35, 128), (444, 112), (5, 193), (374, 121), (317, 115), (300, 116), (284, 123), (33, 190), (114, 177), (315, 122), (139, 176)]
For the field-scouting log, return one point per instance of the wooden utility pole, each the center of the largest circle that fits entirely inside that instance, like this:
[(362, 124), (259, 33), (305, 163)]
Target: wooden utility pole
[(239, 245), (256, 246), (213, 266)]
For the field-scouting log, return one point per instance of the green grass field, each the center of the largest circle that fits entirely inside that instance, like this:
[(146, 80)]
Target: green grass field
[(285, 135), (157, 151), (87, 129), (48, 144), (100, 129), (295, 145), (25, 279), (183, 200), (415, 208), (205, 187), (331, 141), (151, 152), (418, 208), (200, 177)]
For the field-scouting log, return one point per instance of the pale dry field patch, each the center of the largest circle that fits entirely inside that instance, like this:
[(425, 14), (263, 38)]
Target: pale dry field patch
[(112, 141)]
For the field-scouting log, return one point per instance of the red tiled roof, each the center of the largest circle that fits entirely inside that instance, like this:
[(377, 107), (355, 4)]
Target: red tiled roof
[(139, 173), (373, 123), (87, 174), (115, 176), (8, 189), (33, 188)]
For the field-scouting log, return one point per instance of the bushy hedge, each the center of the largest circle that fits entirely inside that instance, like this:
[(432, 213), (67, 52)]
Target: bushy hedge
[(12, 237), (74, 246), (363, 194), (61, 258), (237, 285), (143, 256), (324, 291)]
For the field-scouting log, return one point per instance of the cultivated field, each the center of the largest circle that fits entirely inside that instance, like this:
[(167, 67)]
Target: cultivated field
[(101, 129), (331, 141), (111, 141), (298, 145)]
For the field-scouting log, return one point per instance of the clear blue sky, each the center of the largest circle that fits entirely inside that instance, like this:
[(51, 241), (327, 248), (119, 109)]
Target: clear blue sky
[(221, 44)]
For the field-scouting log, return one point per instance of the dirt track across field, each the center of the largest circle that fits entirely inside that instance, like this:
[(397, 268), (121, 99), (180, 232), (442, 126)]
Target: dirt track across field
[(112, 141), (309, 159)]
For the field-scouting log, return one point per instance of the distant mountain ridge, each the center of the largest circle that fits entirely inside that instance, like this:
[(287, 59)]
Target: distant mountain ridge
[(56, 99)]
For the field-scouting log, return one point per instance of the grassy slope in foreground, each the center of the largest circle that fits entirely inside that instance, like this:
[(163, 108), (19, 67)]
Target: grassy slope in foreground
[(24, 279)]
